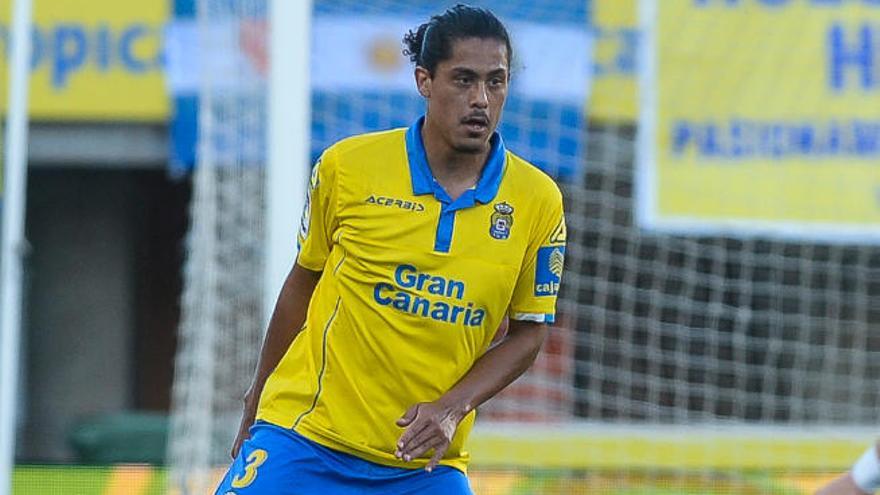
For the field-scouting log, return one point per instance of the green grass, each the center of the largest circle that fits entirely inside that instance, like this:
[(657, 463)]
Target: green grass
[(80, 480), (157, 485), (59, 480), (556, 482)]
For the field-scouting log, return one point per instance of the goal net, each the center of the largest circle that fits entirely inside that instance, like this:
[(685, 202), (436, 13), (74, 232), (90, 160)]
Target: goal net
[(222, 305), (725, 353)]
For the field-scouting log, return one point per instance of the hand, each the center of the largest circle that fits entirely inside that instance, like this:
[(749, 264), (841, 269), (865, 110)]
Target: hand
[(429, 425), (248, 416)]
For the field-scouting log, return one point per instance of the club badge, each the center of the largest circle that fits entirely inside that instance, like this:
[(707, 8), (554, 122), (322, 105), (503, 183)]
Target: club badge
[(501, 221)]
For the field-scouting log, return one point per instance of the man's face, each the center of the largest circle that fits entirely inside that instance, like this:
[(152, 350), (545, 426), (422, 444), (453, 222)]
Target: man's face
[(467, 92)]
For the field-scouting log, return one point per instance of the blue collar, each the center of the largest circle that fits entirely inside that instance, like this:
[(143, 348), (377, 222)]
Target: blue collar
[(423, 180)]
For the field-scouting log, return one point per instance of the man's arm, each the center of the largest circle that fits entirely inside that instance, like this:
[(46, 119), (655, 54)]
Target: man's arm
[(286, 323), (842, 485), (431, 425), (862, 479)]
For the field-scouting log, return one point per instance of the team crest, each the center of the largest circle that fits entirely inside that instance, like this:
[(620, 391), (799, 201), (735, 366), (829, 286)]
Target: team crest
[(501, 221)]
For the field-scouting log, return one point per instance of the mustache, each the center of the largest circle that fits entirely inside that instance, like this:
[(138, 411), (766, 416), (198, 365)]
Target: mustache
[(476, 118)]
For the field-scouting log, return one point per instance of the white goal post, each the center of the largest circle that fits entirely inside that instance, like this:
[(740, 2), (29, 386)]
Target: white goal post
[(13, 241)]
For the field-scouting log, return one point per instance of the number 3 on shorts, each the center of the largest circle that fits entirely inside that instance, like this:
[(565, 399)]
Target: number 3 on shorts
[(254, 460)]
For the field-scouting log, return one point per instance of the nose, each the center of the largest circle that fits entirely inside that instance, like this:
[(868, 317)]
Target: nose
[(480, 95)]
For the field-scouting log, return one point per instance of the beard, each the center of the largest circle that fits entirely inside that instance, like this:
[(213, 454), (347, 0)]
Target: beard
[(472, 145), (470, 149)]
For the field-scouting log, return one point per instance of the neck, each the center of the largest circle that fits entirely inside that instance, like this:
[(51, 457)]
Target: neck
[(455, 170)]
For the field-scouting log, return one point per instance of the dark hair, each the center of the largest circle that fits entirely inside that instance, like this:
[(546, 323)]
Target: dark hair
[(431, 42)]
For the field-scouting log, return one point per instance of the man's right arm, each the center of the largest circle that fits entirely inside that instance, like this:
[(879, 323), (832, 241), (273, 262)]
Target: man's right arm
[(862, 479), (842, 485), (287, 321)]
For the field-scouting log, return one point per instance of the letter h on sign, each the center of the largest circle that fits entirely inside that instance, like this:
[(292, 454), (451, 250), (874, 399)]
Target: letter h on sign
[(860, 56)]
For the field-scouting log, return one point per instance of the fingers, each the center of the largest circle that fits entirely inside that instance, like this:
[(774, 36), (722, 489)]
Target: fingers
[(243, 434), (404, 441), (236, 446), (424, 448), (427, 427), (420, 442), (439, 452), (413, 426), (409, 416)]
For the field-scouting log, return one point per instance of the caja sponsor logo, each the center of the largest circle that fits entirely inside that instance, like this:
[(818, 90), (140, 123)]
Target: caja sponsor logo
[(548, 270)]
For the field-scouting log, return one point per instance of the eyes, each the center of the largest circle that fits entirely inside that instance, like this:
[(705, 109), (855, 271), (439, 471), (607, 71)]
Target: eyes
[(465, 81)]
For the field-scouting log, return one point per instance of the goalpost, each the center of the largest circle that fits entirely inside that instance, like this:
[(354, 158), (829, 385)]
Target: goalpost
[(679, 360), (248, 189), (13, 242), (287, 167)]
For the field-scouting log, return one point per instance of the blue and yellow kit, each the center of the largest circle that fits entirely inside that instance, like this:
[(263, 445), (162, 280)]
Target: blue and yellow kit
[(414, 287)]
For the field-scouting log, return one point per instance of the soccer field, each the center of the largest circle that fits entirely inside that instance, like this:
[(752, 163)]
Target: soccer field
[(88, 480), (147, 480), (643, 483)]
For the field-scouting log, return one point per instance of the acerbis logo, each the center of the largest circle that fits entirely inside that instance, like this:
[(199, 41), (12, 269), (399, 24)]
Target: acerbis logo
[(395, 203)]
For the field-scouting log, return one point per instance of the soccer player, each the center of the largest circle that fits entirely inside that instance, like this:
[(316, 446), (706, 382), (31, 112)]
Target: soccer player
[(415, 245), (862, 479)]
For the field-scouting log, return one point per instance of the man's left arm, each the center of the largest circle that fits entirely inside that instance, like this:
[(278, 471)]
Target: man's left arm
[(431, 425)]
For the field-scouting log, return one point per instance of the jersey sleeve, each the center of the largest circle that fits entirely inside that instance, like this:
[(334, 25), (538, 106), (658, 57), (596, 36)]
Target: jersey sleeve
[(534, 297), (318, 221)]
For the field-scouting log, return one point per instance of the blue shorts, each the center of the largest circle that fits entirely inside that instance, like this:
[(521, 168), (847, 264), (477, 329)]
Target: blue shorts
[(279, 461)]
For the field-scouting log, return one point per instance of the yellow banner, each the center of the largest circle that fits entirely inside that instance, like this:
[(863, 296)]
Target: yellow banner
[(93, 59), (613, 92), (764, 116)]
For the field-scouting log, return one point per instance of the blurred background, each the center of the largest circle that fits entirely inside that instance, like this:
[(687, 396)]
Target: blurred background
[(719, 321)]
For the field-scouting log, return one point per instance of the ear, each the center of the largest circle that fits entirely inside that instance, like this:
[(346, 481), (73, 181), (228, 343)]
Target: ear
[(423, 81)]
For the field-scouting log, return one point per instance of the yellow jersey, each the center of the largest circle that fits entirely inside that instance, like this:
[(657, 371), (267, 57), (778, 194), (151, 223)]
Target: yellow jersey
[(413, 289)]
